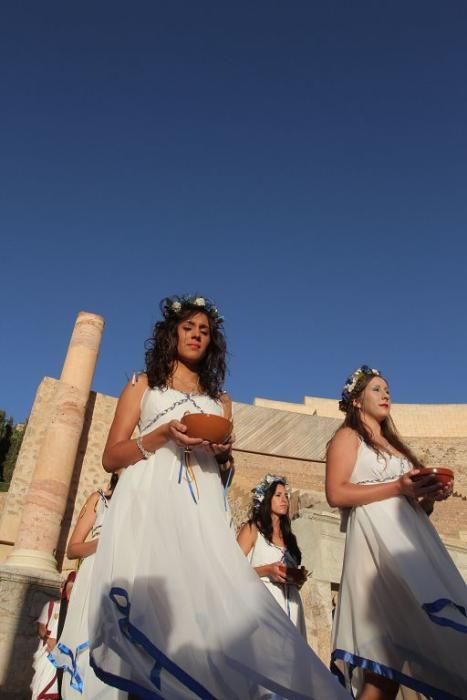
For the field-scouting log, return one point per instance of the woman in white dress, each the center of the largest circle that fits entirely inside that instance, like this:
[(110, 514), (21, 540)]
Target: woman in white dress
[(44, 685), (71, 655), (177, 610), (44, 682), (270, 545), (400, 625)]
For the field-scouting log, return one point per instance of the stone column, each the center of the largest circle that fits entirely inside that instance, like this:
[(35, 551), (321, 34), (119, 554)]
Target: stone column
[(45, 502)]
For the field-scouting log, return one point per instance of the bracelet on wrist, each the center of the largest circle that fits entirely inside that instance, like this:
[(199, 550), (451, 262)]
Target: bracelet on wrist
[(139, 443)]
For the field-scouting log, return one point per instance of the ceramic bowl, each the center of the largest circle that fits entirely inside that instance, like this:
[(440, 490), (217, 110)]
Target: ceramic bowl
[(296, 574), (207, 427), (442, 474)]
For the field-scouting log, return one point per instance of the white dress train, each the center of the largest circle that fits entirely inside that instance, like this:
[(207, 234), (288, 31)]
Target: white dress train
[(177, 611), (402, 602), (286, 595)]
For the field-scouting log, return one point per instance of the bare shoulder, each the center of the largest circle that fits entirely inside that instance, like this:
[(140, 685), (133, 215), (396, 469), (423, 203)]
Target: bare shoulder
[(90, 504), (134, 389), (246, 537), (137, 384), (344, 438), (248, 530)]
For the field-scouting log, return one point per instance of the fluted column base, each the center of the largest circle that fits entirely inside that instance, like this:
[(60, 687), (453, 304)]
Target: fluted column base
[(31, 559)]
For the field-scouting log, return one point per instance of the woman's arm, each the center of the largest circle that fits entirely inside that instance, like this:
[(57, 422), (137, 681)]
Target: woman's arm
[(120, 450), (77, 547), (341, 493), (42, 631), (246, 538)]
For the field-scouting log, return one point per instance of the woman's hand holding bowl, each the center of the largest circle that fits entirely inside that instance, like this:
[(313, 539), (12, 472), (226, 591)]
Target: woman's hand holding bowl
[(420, 487), (445, 491), (176, 432), (221, 450), (277, 572)]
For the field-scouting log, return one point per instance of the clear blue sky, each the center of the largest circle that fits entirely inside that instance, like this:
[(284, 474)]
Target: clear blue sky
[(302, 163)]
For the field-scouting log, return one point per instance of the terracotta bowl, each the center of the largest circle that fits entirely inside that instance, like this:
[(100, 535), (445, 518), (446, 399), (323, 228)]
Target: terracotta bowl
[(443, 475), (207, 427), (296, 575)]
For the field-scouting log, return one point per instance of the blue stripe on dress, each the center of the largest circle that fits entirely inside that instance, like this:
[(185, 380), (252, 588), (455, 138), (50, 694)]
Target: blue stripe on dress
[(432, 608), (162, 662), (355, 661)]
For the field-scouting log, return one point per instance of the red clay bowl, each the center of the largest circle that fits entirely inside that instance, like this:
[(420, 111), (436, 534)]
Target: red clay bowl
[(207, 427), (443, 474)]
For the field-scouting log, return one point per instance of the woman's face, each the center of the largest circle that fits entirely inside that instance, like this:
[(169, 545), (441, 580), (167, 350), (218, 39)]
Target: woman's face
[(375, 400), (280, 501), (193, 338)]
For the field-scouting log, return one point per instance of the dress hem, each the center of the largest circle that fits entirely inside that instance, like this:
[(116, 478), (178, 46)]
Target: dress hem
[(380, 669)]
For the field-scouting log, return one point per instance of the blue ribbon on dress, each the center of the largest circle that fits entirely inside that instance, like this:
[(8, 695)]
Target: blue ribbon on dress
[(76, 682), (184, 466), (432, 608), (134, 635), (226, 487), (355, 661)]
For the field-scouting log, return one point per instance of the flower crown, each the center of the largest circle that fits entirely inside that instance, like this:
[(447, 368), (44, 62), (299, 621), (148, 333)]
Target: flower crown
[(351, 384), (174, 306), (264, 485)]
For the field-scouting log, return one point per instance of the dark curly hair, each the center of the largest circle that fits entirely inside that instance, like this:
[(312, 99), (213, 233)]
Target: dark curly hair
[(161, 348), (353, 419), (261, 517)]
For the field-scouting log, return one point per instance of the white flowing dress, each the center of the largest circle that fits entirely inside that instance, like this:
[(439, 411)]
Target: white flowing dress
[(177, 611), (72, 650), (402, 603), (287, 595), (44, 683)]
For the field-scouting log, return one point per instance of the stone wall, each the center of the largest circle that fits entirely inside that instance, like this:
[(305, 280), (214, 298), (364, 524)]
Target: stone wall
[(437, 420), (27, 458), (89, 475), (3, 497), (21, 601)]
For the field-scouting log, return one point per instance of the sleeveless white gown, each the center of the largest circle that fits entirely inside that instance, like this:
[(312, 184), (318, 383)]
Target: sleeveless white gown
[(287, 595), (72, 650), (44, 683), (177, 611), (402, 602)]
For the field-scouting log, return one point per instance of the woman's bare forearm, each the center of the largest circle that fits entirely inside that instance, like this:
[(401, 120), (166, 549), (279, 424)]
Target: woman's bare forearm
[(80, 550), (126, 452), (349, 495)]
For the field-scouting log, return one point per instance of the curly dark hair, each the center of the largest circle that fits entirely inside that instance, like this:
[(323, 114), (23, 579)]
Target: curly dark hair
[(353, 419), (261, 517), (161, 348)]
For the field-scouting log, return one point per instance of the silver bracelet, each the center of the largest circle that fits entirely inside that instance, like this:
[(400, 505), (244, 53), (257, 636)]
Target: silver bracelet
[(139, 443)]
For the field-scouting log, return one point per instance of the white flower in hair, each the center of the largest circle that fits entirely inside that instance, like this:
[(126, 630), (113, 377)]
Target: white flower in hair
[(176, 306), (199, 301)]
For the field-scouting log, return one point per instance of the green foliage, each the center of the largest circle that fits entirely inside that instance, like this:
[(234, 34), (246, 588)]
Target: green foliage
[(12, 454), (11, 437), (6, 430)]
